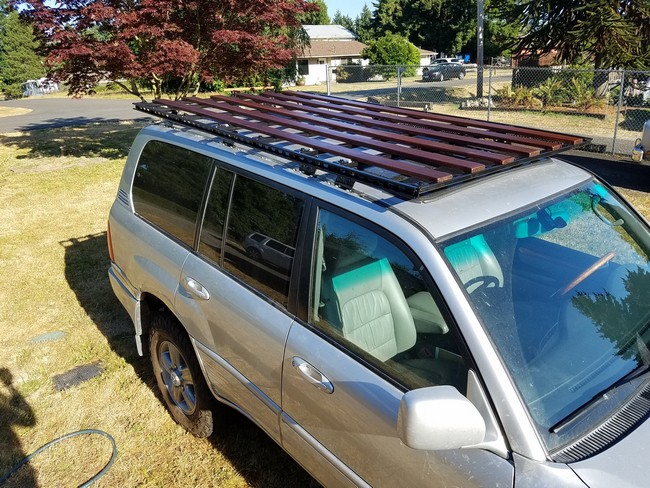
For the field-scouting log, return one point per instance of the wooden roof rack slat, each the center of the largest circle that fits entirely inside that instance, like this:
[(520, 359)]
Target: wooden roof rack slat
[(402, 167), (464, 121), (370, 110), (334, 117), (427, 157), (384, 152), (393, 137)]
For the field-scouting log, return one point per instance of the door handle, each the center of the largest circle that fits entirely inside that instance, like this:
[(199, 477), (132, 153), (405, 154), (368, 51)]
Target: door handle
[(196, 288), (312, 375)]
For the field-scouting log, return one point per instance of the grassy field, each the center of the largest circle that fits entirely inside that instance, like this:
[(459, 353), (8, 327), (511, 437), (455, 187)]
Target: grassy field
[(57, 311)]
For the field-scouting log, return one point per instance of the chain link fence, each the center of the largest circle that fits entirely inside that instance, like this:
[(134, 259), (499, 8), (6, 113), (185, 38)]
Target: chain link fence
[(609, 106)]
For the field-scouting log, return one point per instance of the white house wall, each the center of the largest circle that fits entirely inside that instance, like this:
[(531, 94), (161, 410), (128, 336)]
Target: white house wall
[(318, 72)]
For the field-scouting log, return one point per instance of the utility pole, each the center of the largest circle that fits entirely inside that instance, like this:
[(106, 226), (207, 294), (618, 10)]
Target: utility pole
[(479, 48)]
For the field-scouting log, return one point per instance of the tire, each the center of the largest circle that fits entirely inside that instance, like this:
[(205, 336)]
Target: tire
[(461, 76), (179, 377), (442, 77), (254, 254)]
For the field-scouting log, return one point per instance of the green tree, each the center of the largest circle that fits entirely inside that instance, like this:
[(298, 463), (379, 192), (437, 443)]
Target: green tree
[(391, 50), (317, 17), (441, 25), (344, 20), (363, 25), (613, 33), (18, 59), (447, 26)]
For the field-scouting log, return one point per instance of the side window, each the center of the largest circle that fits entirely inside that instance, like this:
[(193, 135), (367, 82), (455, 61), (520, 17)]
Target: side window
[(168, 188), (215, 216), (262, 230), (370, 296)]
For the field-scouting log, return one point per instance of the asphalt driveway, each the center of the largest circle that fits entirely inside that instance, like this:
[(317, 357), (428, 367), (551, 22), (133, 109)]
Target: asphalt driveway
[(58, 112)]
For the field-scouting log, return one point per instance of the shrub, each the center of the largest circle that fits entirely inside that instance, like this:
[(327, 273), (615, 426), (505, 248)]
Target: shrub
[(353, 73), (392, 50), (519, 97)]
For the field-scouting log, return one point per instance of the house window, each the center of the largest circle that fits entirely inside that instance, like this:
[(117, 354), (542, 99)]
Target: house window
[(303, 67)]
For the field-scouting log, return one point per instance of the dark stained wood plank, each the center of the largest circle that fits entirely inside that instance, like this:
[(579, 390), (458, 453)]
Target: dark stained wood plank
[(335, 117), (402, 167), (451, 119), (397, 140), (429, 158), (466, 131)]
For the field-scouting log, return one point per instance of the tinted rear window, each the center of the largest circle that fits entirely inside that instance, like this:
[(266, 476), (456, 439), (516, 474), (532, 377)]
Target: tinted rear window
[(168, 188)]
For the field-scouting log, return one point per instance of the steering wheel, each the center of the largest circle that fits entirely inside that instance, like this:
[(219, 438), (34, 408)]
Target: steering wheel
[(587, 272), (485, 281)]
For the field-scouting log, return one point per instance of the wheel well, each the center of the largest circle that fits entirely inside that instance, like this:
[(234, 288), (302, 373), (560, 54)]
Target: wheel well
[(150, 307)]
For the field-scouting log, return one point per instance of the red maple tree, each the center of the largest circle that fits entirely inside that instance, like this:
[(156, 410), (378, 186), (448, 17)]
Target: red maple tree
[(178, 43)]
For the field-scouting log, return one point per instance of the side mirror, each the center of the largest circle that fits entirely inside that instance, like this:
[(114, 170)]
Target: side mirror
[(438, 418)]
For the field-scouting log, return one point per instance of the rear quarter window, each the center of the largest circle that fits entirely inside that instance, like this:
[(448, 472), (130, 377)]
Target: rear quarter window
[(168, 188)]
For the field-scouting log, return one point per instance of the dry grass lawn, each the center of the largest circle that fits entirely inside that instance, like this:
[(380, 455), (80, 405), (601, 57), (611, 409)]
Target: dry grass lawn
[(56, 187)]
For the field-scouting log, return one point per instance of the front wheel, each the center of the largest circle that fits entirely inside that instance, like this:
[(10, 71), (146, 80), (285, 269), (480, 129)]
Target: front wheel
[(442, 77), (179, 377), (461, 76)]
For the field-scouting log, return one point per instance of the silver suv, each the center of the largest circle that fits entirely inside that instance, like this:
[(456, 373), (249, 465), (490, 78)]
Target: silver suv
[(456, 306)]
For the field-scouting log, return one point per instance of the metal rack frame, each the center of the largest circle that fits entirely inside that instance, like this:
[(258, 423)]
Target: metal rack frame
[(404, 151)]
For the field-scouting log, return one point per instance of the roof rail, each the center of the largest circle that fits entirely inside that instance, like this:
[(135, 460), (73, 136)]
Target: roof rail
[(407, 152)]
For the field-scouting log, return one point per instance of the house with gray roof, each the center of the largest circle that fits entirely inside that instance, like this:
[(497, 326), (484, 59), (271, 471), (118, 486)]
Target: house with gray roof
[(334, 45), (329, 45)]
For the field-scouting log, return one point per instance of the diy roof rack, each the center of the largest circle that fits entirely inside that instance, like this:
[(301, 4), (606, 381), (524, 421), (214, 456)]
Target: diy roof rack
[(405, 151)]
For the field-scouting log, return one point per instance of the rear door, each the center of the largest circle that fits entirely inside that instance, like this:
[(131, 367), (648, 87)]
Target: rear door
[(345, 371), (234, 304)]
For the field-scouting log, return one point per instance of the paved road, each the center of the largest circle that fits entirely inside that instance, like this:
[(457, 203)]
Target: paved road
[(58, 112)]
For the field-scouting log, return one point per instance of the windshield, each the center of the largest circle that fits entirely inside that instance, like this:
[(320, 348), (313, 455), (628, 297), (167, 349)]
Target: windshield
[(563, 290)]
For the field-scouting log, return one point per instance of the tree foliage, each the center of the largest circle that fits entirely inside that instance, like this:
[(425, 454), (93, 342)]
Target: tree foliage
[(317, 16), (173, 43), (447, 26), (391, 50), (18, 59), (613, 33), (442, 25), (362, 25), (343, 20)]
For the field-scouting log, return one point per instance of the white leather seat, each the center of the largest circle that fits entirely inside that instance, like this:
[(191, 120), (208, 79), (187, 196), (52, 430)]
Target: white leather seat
[(472, 259), (373, 310)]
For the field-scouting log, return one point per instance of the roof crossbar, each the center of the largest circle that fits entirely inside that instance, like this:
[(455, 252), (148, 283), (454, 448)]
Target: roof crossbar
[(407, 152)]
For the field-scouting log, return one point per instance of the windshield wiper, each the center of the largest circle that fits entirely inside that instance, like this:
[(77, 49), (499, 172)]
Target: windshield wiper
[(602, 395)]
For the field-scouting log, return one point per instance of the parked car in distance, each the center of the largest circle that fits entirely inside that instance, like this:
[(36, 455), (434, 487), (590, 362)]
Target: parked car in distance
[(260, 247), (444, 71), (446, 60), (450, 303)]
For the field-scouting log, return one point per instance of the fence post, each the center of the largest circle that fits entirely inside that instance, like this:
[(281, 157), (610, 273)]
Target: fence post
[(489, 94), (618, 110), (328, 79), (399, 85)]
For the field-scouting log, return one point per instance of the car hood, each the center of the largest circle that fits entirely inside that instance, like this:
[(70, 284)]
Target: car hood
[(623, 465)]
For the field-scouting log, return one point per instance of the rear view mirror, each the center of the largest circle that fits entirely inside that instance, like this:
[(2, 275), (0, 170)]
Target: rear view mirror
[(438, 418)]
